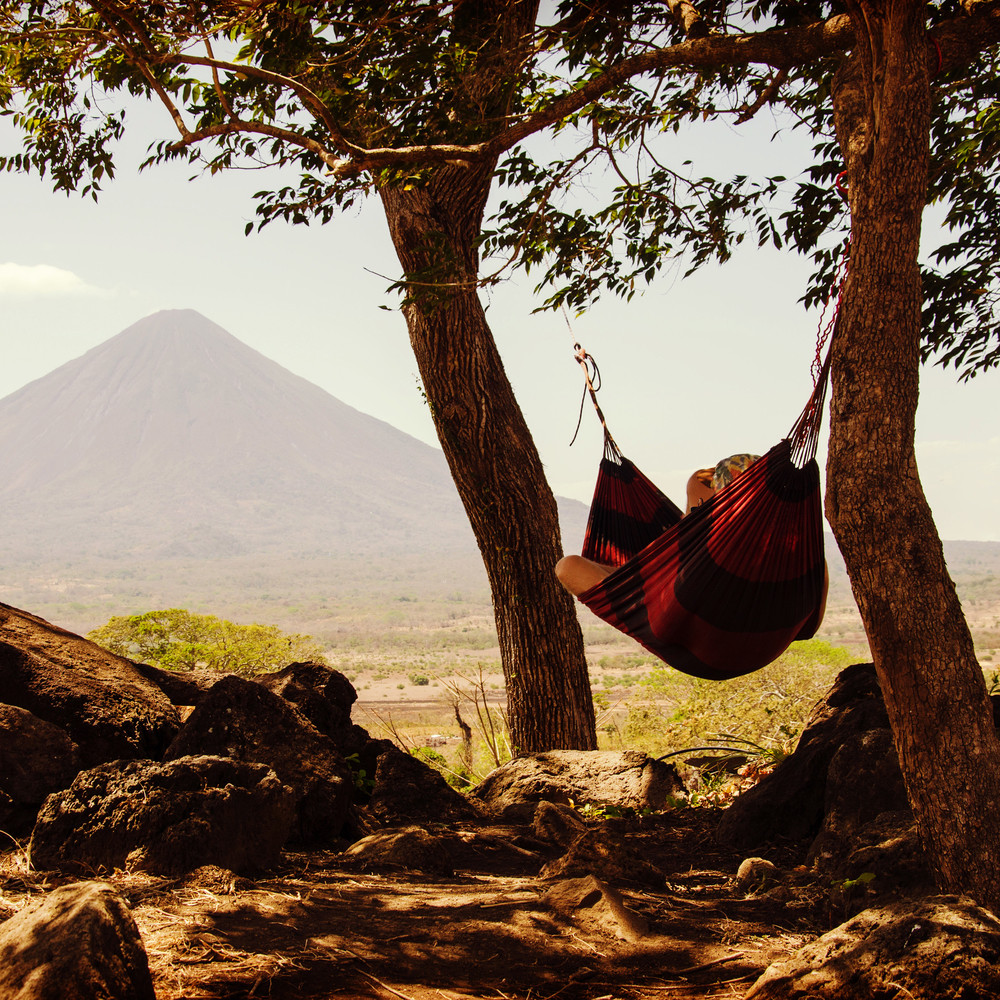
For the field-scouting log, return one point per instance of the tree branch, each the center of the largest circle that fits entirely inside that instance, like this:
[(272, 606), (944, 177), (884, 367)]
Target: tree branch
[(766, 96), (309, 99), (140, 63), (688, 17), (238, 125), (785, 49)]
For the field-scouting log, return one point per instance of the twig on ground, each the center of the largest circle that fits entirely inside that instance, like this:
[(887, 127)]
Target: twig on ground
[(384, 986)]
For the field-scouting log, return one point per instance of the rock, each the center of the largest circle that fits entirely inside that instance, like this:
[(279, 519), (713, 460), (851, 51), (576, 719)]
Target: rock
[(443, 852), (166, 818), (108, 709), (408, 848), (790, 802), (36, 759), (597, 907), (942, 946), (243, 720), (756, 874), (182, 687), (557, 824), (863, 781), (323, 695), (624, 780), (78, 943), (593, 854), (407, 791), (886, 860)]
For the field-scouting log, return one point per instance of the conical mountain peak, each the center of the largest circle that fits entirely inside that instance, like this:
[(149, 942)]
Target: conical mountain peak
[(176, 420)]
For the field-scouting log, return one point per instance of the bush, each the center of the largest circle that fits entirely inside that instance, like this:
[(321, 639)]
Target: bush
[(454, 774), (176, 639), (767, 708)]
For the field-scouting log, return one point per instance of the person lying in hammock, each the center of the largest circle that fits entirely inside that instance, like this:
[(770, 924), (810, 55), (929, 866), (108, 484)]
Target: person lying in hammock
[(578, 574)]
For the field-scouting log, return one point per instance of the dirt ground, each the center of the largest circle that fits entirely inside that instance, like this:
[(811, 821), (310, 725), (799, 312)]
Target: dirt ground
[(324, 926)]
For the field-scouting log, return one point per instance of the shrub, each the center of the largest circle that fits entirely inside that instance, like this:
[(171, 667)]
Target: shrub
[(767, 708)]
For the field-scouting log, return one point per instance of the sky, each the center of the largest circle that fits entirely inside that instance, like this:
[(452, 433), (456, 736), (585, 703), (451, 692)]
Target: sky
[(693, 370)]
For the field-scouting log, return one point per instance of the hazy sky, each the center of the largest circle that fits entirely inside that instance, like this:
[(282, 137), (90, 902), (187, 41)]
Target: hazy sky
[(693, 370)]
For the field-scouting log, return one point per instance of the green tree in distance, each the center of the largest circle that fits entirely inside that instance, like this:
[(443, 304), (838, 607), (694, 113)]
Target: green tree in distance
[(176, 639), (426, 104)]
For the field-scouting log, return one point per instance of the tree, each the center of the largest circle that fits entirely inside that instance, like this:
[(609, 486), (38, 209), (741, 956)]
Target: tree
[(391, 85), (419, 102), (933, 687), (176, 639)]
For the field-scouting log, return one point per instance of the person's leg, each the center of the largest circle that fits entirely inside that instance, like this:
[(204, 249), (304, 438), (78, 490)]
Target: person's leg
[(577, 574)]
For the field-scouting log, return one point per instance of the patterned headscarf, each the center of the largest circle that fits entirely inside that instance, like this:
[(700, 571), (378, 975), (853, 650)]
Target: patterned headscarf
[(729, 468)]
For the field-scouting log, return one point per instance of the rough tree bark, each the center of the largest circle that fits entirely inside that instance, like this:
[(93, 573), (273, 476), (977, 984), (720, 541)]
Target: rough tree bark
[(494, 462), (920, 642)]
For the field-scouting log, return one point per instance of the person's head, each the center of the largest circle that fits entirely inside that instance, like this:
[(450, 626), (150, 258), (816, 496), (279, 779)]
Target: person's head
[(705, 483), (731, 468)]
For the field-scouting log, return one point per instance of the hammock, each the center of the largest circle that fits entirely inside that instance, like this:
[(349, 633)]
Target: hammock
[(725, 590)]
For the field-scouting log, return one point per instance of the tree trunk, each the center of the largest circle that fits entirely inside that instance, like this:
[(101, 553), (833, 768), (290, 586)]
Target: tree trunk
[(493, 459), (923, 651)]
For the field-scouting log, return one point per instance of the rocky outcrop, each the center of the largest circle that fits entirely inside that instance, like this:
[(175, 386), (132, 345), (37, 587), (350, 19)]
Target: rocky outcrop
[(407, 791), (624, 780), (182, 687), (78, 943), (323, 695), (36, 759), (863, 782), (106, 707), (244, 721), (165, 818), (943, 946), (790, 802)]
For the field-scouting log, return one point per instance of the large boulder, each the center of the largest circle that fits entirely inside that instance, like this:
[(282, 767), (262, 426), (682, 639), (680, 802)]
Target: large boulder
[(791, 801), (863, 782), (108, 709), (624, 780), (323, 695), (165, 818), (409, 792), (78, 943), (241, 719), (36, 759), (943, 946), (182, 687)]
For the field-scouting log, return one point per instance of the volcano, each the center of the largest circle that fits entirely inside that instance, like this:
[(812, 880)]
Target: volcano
[(175, 439)]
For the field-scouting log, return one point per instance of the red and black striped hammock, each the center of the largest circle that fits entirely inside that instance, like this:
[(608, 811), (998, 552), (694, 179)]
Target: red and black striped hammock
[(725, 590)]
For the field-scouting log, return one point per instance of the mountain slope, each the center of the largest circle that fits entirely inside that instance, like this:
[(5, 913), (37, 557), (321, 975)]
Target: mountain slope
[(174, 438)]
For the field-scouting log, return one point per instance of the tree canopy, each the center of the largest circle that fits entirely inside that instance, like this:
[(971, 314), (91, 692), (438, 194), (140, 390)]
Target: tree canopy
[(352, 97)]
